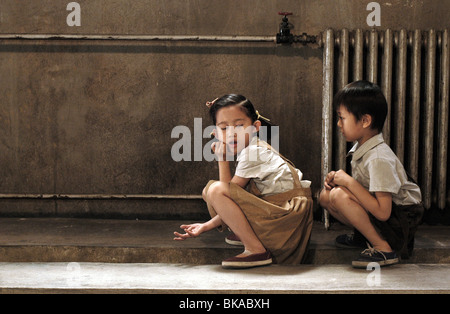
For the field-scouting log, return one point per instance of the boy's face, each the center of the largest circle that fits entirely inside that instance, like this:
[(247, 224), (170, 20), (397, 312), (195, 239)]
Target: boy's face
[(234, 128), (352, 129)]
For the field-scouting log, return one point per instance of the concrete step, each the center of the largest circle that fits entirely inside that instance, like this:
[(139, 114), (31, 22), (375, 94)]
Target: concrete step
[(213, 279), (63, 255), (151, 241)]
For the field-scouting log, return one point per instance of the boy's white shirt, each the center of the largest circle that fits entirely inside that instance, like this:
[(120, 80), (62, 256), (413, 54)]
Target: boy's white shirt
[(269, 171), (378, 169)]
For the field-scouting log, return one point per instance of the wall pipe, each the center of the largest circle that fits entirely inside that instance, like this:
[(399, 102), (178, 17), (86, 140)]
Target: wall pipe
[(176, 38), (98, 196), (327, 109), (137, 37), (303, 39)]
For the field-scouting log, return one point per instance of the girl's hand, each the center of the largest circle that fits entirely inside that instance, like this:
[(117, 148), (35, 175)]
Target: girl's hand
[(192, 231), (220, 149)]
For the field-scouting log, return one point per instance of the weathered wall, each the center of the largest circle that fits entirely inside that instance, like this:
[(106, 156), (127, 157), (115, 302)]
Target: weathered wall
[(96, 117)]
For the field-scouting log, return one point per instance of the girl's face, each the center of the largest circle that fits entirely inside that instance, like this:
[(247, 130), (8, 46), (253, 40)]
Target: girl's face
[(235, 128), (351, 128)]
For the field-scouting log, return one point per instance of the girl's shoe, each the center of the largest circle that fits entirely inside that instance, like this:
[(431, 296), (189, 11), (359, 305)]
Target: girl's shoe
[(372, 255), (233, 239), (252, 260)]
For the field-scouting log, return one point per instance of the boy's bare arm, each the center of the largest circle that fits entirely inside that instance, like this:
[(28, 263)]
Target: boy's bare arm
[(379, 206)]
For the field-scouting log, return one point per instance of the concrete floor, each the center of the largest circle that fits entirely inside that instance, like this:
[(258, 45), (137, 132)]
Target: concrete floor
[(182, 278), (62, 255)]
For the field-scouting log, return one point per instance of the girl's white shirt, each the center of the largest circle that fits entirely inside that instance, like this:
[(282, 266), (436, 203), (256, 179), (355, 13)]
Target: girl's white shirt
[(269, 171)]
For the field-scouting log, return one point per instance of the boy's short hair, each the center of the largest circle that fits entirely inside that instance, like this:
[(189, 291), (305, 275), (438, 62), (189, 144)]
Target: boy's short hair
[(363, 97)]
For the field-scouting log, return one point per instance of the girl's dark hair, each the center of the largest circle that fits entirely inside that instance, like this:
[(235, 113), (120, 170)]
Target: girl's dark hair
[(245, 105), (236, 100), (363, 97)]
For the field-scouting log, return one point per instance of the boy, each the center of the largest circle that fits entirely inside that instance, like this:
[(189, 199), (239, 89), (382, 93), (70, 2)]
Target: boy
[(378, 200)]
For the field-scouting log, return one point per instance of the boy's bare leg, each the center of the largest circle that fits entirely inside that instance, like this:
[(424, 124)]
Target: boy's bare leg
[(324, 200), (230, 213), (345, 207)]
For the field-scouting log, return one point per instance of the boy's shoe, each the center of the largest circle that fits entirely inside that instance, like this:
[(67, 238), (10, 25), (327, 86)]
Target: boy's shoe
[(252, 260), (371, 255), (351, 241), (233, 239)]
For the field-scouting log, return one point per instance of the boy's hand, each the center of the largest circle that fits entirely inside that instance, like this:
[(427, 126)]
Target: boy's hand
[(341, 178), (329, 184), (335, 178)]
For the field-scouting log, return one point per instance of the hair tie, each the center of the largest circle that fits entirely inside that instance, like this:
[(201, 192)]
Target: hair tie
[(210, 103), (260, 116)]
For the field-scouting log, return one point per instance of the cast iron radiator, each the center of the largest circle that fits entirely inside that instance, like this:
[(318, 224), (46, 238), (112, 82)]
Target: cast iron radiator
[(412, 68)]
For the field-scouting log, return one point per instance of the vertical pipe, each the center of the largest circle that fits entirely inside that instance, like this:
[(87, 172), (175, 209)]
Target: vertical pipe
[(414, 136), (442, 138), (358, 55), (342, 81), (327, 111), (429, 118), (386, 80), (372, 63), (399, 107)]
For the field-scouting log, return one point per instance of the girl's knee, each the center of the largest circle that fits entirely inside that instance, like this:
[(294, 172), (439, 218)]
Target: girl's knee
[(218, 188), (207, 188)]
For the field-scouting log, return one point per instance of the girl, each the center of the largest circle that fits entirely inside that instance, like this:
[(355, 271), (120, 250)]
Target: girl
[(265, 203)]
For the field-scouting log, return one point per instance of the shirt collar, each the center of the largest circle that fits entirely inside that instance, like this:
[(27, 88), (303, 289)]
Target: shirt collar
[(359, 151)]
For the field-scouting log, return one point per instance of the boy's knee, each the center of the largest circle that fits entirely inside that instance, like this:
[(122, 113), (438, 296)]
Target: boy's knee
[(331, 199), (338, 197), (324, 198)]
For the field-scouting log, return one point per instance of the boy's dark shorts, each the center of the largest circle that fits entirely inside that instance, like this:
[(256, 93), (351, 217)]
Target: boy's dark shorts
[(400, 228)]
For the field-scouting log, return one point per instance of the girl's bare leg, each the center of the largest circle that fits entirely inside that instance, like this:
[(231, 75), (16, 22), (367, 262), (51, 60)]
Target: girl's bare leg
[(231, 214)]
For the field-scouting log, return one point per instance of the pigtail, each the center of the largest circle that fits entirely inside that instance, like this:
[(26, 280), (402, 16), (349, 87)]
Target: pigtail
[(266, 131)]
